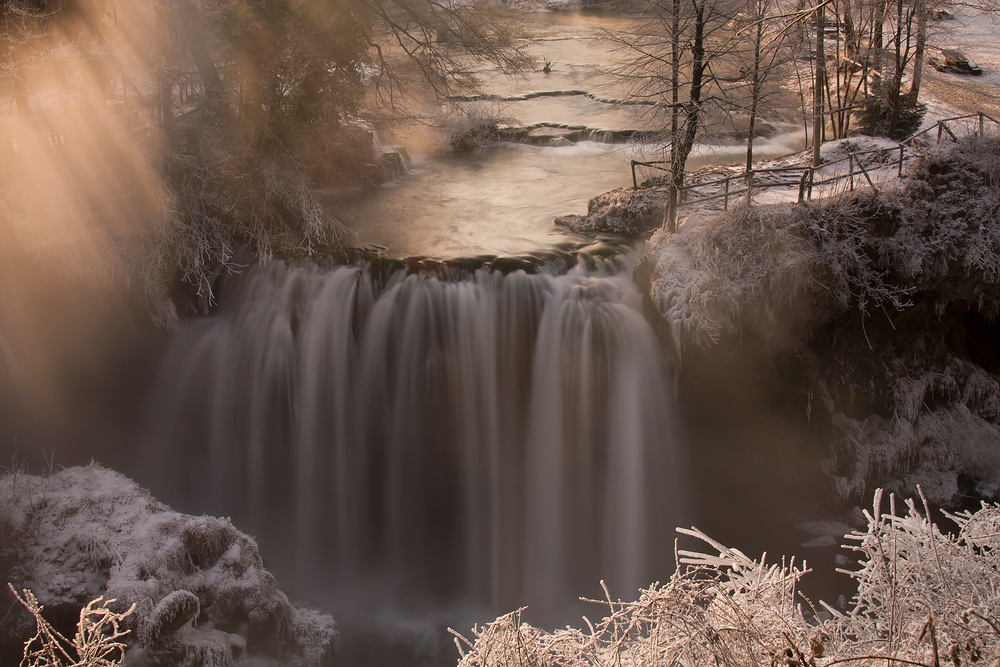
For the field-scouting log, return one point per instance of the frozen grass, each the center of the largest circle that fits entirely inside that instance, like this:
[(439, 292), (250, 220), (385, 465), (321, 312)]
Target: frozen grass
[(923, 598)]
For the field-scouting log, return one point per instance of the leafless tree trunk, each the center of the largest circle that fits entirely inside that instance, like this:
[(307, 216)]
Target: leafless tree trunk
[(755, 87), (850, 37), (819, 85), (878, 23), (675, 110), (693, 108), (918, 53), (899, 63), (194, 40), (675, 72)]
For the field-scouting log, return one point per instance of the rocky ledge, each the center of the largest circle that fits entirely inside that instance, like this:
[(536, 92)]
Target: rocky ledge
[(621, 211)]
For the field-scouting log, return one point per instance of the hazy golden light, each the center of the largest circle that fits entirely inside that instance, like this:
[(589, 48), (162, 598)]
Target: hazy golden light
[(80, 200)]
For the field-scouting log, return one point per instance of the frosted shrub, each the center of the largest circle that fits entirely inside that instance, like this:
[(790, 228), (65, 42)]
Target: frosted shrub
[(775, 269), (923, 597), (475, 126), (98, 641)]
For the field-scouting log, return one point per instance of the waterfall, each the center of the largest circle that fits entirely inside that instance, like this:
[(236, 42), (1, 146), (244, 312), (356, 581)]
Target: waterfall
[(504, 437)]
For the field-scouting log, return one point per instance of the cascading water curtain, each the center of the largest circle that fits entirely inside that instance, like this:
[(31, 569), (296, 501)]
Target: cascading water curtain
[(504, 437)]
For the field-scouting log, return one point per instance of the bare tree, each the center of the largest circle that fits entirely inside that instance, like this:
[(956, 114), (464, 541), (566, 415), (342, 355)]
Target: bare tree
[(668, 59), (922, 10)]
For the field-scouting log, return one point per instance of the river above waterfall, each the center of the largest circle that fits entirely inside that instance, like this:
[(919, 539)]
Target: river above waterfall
[(503, 200)]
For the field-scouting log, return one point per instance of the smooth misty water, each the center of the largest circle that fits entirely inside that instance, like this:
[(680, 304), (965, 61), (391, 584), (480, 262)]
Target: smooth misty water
[(416, 450), (478, 437)]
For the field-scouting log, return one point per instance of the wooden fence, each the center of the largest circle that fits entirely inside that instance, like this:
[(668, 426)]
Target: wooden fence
[(743, 184)]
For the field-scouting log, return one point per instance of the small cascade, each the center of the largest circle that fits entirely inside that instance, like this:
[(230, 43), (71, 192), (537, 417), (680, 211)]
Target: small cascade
[(498, 437)]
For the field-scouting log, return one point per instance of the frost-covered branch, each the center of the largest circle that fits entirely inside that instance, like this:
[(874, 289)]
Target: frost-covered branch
[(98, 642), (923, 595)]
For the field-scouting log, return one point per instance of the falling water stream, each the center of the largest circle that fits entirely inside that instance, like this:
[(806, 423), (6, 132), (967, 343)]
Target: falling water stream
[(502, 438)]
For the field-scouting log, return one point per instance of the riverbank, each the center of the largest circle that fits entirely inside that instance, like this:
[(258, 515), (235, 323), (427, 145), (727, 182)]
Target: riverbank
[(864, 317), (870, 313)]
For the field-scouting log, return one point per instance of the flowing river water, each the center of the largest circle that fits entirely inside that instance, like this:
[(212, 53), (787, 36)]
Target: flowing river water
[(422, 448)]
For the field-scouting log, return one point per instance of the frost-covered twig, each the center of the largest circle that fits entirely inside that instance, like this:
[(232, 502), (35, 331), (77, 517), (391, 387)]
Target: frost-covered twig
[(97, 642)]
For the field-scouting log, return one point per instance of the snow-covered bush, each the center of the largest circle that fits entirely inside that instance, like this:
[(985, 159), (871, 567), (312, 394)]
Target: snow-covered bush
[(621, 211), (475, 126), (201, 593), (944, 425), (759, 265), (923, 597), (937, 230)]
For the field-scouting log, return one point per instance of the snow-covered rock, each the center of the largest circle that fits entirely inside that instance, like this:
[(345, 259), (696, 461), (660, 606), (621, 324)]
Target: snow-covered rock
[(621, 211), (202, 594)]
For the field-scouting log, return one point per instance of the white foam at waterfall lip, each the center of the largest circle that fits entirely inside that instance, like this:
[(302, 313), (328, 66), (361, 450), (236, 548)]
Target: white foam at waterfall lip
[(575, 149)]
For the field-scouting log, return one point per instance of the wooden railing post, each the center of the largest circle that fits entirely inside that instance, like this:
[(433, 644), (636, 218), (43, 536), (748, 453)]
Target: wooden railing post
[(635, 186), (725, 201), (812, 173), (980, 123), (940, 125), (868, 178), (802, 186), (900, 174)]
